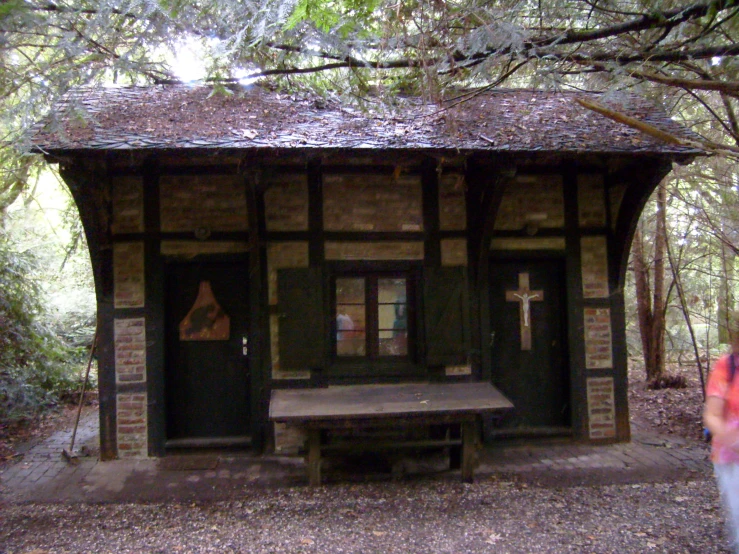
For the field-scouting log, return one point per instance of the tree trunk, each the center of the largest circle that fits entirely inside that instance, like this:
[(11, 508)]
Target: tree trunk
[(725, 292), (656, 367), (650, 300)]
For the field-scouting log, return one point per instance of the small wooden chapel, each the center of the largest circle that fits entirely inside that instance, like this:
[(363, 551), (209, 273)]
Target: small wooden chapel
[(261, 241)]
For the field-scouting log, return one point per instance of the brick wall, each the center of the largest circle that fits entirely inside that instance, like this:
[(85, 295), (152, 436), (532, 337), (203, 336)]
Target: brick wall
[(286, 202), (129, 337), (372, 203), (128, 275), (532, 199), (132, 425), (128, 205), (453, 252), (601, 408), (598, 338), (452, 206), (213, 202), (387, 250), (594, 263), (288, 439), (591, 200)]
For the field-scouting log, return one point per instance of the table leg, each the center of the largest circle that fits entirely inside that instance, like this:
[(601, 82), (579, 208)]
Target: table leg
[(314, 457), (469, 444)]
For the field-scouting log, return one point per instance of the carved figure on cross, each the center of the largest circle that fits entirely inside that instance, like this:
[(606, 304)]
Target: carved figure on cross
[(524, 296)]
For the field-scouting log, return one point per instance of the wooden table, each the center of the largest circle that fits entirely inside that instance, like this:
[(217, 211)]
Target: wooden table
[(357, 406)]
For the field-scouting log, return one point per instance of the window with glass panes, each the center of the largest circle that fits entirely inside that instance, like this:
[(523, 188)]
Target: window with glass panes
[(372, 316)]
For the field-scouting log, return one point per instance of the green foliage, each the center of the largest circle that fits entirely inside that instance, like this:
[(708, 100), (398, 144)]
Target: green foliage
[(7, 8), (370, 51), (47, 312), (343, 17), (35, 365)]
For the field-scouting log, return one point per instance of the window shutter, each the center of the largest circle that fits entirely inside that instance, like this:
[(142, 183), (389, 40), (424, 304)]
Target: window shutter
[(301, 318), (446, 308)]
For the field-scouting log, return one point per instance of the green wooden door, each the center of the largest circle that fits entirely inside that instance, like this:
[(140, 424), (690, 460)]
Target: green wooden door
[(533, 373), (207, 381)]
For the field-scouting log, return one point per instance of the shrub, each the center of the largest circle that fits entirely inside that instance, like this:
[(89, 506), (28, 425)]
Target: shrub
[(35, 365)]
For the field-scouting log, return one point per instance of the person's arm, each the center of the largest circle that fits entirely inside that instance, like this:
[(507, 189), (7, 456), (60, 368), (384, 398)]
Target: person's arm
[(715, 422), (713, 415)]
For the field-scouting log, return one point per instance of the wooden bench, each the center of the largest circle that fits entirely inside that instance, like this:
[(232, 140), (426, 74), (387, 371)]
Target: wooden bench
[(358, 406)]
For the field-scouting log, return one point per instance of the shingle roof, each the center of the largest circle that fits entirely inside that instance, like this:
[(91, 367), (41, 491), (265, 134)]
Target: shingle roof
[(180, 116)]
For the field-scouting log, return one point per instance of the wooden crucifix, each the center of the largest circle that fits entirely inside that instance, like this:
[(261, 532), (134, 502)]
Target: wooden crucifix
[(524, 296)]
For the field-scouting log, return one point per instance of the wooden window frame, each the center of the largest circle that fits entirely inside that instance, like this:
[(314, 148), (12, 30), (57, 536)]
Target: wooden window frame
[(372, 273)]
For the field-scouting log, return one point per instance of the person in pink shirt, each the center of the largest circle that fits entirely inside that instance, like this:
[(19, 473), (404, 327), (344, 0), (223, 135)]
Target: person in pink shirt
[(721, 418)]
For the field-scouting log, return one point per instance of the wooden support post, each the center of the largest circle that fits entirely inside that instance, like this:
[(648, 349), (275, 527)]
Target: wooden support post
[(314, 457), (469, 445)]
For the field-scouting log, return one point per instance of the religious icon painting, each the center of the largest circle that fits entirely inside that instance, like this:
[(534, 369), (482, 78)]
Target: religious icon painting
[(206, 320)]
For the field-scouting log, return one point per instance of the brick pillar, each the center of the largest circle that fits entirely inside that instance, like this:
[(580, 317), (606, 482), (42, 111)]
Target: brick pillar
[(130, 369), (132, 430)]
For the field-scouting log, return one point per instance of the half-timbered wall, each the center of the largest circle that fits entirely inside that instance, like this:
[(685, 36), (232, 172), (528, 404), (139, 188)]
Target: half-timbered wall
[(376, 216), (323, 218), (307, 220), (567, 213), (183, 218)]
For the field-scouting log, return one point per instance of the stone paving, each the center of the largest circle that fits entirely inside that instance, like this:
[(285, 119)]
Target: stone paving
[(42, 469), (44, 475), (645, 458)]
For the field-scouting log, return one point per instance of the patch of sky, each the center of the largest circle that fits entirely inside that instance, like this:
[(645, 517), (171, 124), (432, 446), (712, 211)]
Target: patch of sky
[(188, 63)]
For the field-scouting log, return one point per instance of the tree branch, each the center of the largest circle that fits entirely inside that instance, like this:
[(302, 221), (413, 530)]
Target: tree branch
[(654, 20), (52, 7), (728, 87), (653, 131), (583, 59)]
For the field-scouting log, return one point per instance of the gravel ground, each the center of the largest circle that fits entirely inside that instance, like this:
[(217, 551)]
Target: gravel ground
[(433, 515)]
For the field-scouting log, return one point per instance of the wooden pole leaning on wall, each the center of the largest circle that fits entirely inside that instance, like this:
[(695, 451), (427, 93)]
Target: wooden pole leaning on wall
[(69, 455)]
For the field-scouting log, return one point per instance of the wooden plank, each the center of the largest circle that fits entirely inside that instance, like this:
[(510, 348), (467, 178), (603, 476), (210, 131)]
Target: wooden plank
[(314, 457), (356, 446), (209, 442), (402, 420), (385, 401), (469, 447), (154, 279)]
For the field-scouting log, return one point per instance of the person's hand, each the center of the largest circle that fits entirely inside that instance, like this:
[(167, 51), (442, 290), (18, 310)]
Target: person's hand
[(730, 439)]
